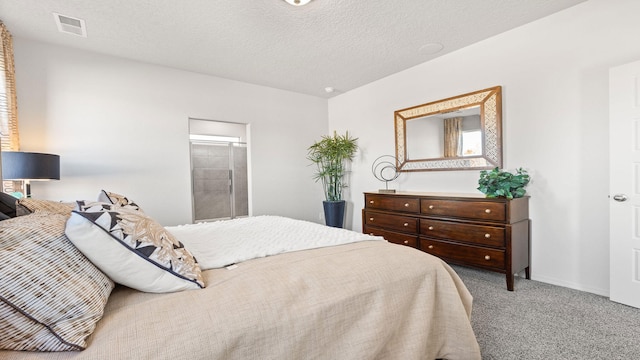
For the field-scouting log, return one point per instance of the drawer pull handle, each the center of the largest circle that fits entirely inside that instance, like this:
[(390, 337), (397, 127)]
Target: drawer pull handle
[(487, 235), (371, 234), (431, 207), (406, 204), (487, 257), (430, 246), (406, 242), (406, 224), (371, 202), (488, 211), (370, 219), (430, 228)]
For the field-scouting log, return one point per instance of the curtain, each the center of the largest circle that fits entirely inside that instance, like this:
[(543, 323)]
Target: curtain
[(452, 137), (9, 139), (8, 102)]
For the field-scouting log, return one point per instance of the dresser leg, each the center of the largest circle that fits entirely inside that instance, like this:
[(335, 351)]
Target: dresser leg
[(510, 282), (527, 273)]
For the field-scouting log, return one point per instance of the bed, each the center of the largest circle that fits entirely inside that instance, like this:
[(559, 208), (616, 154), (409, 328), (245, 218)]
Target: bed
[(359, 297)]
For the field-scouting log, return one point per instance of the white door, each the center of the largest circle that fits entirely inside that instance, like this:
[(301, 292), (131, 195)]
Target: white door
[(624, 183)]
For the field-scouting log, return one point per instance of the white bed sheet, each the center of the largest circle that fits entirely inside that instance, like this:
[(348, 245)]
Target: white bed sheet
[(222, 243)]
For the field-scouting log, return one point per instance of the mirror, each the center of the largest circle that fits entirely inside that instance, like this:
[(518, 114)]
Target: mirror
[(459, 133)]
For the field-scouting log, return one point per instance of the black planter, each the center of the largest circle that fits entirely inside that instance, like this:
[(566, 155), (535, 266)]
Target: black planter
[(334, 213)]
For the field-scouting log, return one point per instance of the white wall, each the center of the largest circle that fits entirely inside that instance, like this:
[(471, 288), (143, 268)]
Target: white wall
[(554, 74), (122, 126)]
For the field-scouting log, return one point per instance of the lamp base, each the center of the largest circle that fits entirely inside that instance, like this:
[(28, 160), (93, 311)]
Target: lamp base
[(387, 191), (27, 189)]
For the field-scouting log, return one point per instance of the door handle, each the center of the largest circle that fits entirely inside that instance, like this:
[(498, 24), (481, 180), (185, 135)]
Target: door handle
[(620, 197)]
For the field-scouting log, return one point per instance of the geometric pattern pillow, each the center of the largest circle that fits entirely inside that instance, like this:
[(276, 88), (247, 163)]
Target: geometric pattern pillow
[(93, 206), (117, 199), (133, 249), (51, 295), (30, 205)]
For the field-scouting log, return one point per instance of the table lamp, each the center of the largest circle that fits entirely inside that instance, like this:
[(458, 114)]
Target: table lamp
[(28, 166)]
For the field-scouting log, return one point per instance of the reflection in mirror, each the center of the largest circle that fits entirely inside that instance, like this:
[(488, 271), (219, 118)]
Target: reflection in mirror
[(462, 132), (454, 134)]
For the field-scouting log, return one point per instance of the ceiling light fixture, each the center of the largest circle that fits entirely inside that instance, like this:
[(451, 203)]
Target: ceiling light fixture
[(298, 2)]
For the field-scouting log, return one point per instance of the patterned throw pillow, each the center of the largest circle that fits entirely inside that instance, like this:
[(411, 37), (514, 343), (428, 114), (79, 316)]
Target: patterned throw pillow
[(133, 249), (51, 296), (93, 206), (117, 199), (27, 206)]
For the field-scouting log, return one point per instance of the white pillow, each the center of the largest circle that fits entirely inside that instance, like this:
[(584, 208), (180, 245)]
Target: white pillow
[(133, 249)]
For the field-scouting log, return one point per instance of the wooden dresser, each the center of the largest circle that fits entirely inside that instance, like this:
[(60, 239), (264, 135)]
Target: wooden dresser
[(463, 229)]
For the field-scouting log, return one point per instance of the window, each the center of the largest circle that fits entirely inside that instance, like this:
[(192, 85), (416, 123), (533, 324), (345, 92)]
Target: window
[(472, 143)]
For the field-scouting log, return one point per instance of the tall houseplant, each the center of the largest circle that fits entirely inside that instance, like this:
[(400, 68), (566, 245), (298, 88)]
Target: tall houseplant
[(330, 155)]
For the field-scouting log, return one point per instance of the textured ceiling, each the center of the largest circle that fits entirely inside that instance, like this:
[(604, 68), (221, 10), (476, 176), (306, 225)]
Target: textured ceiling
[(342, 44)]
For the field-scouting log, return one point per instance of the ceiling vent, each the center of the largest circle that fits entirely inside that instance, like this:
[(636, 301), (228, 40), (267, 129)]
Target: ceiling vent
[(70, 25)]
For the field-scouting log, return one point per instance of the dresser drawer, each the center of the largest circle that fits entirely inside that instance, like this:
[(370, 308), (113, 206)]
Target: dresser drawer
[(464, 254), (392, 203), (391, 222), (481, 210), (394, 237), (477, 234)]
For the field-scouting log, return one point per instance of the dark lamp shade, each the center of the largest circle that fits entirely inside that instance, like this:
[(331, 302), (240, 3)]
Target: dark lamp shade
[(17, 165)]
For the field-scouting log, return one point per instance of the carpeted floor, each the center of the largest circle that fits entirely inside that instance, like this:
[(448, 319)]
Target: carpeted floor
[(542, 321)]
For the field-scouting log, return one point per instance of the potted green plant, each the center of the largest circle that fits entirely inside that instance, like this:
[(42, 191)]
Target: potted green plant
[(501, 183), (330, 155)]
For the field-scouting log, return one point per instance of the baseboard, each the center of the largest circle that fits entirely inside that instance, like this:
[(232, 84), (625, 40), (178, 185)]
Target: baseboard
[(571, 285)]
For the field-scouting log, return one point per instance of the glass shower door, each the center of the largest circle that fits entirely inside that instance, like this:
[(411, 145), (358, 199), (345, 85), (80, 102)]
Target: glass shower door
[(219, 176)]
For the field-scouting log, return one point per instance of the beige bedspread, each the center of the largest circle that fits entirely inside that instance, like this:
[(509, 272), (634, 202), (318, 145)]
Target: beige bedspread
[(361, 301)]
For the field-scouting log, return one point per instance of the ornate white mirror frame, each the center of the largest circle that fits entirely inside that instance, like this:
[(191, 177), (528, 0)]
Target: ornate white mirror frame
[(490, 104)]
